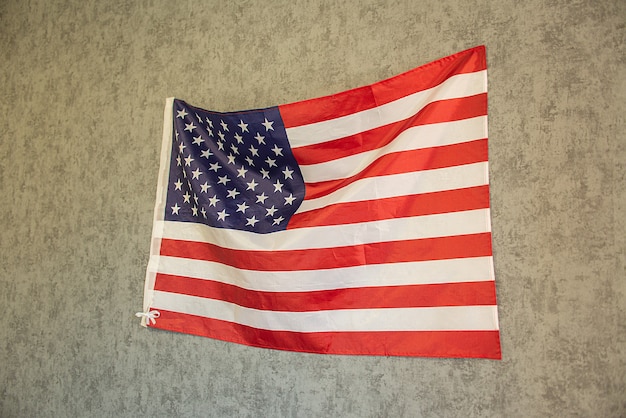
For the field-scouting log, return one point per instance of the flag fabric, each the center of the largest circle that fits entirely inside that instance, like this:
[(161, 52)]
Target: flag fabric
[(356, 223)]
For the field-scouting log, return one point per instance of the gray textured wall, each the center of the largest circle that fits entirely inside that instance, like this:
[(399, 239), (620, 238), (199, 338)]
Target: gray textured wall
[(83, 85)]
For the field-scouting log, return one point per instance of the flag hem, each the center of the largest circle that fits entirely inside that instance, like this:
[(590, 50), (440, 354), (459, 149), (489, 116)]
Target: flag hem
[(159, 207)]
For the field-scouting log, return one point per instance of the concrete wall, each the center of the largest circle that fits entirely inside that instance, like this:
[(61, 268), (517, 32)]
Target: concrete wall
[(83, 85)]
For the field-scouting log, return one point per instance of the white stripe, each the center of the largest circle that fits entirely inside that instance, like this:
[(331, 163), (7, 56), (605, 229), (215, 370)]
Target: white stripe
[(461, 85), (449, 318), (417, 137), (476, 269), (418, 227), (417, 182)]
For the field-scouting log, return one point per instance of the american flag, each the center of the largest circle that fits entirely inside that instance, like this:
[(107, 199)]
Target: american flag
[(356, 223)]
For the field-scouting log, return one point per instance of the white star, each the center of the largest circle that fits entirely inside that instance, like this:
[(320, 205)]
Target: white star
[(196, 174), (253, 151), (242, 172), (265, 173), (278, 220), (250, 161), (242, 208), (278, 186), (206, 153), (221, 216), (287, 172), (210, 132), (198, 140), (178, 185), (194, 211), (181, 114), (181, 147), (251, 221), (203, 210), (213, 200), (205, 187), (239, 138), (221, 135), (190, 126), (188, 161), (178, 162), (252, 185), (214, 167), (233, 193), (271, 211), (231, 159), (224, 126), (289, 199), (235, 149), (186, 197), (199, 118), (277, 151), (175, 209), (260, 138), (270, 162), (243, 126), (220, 145), (268, 125), (261, 198), (210, 122), (223, 180)]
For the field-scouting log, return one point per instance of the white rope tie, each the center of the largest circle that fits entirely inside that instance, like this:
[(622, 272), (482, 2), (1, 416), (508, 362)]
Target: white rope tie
[(150, 316)]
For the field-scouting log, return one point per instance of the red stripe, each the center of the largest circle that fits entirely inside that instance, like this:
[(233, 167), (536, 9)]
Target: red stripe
[(436, 112), (442, 294), (407, 162), (460, 246), (394, 207), (476, 344), (368, 97)]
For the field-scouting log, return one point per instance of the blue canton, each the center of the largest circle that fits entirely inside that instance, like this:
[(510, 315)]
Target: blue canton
[(232, 170)]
